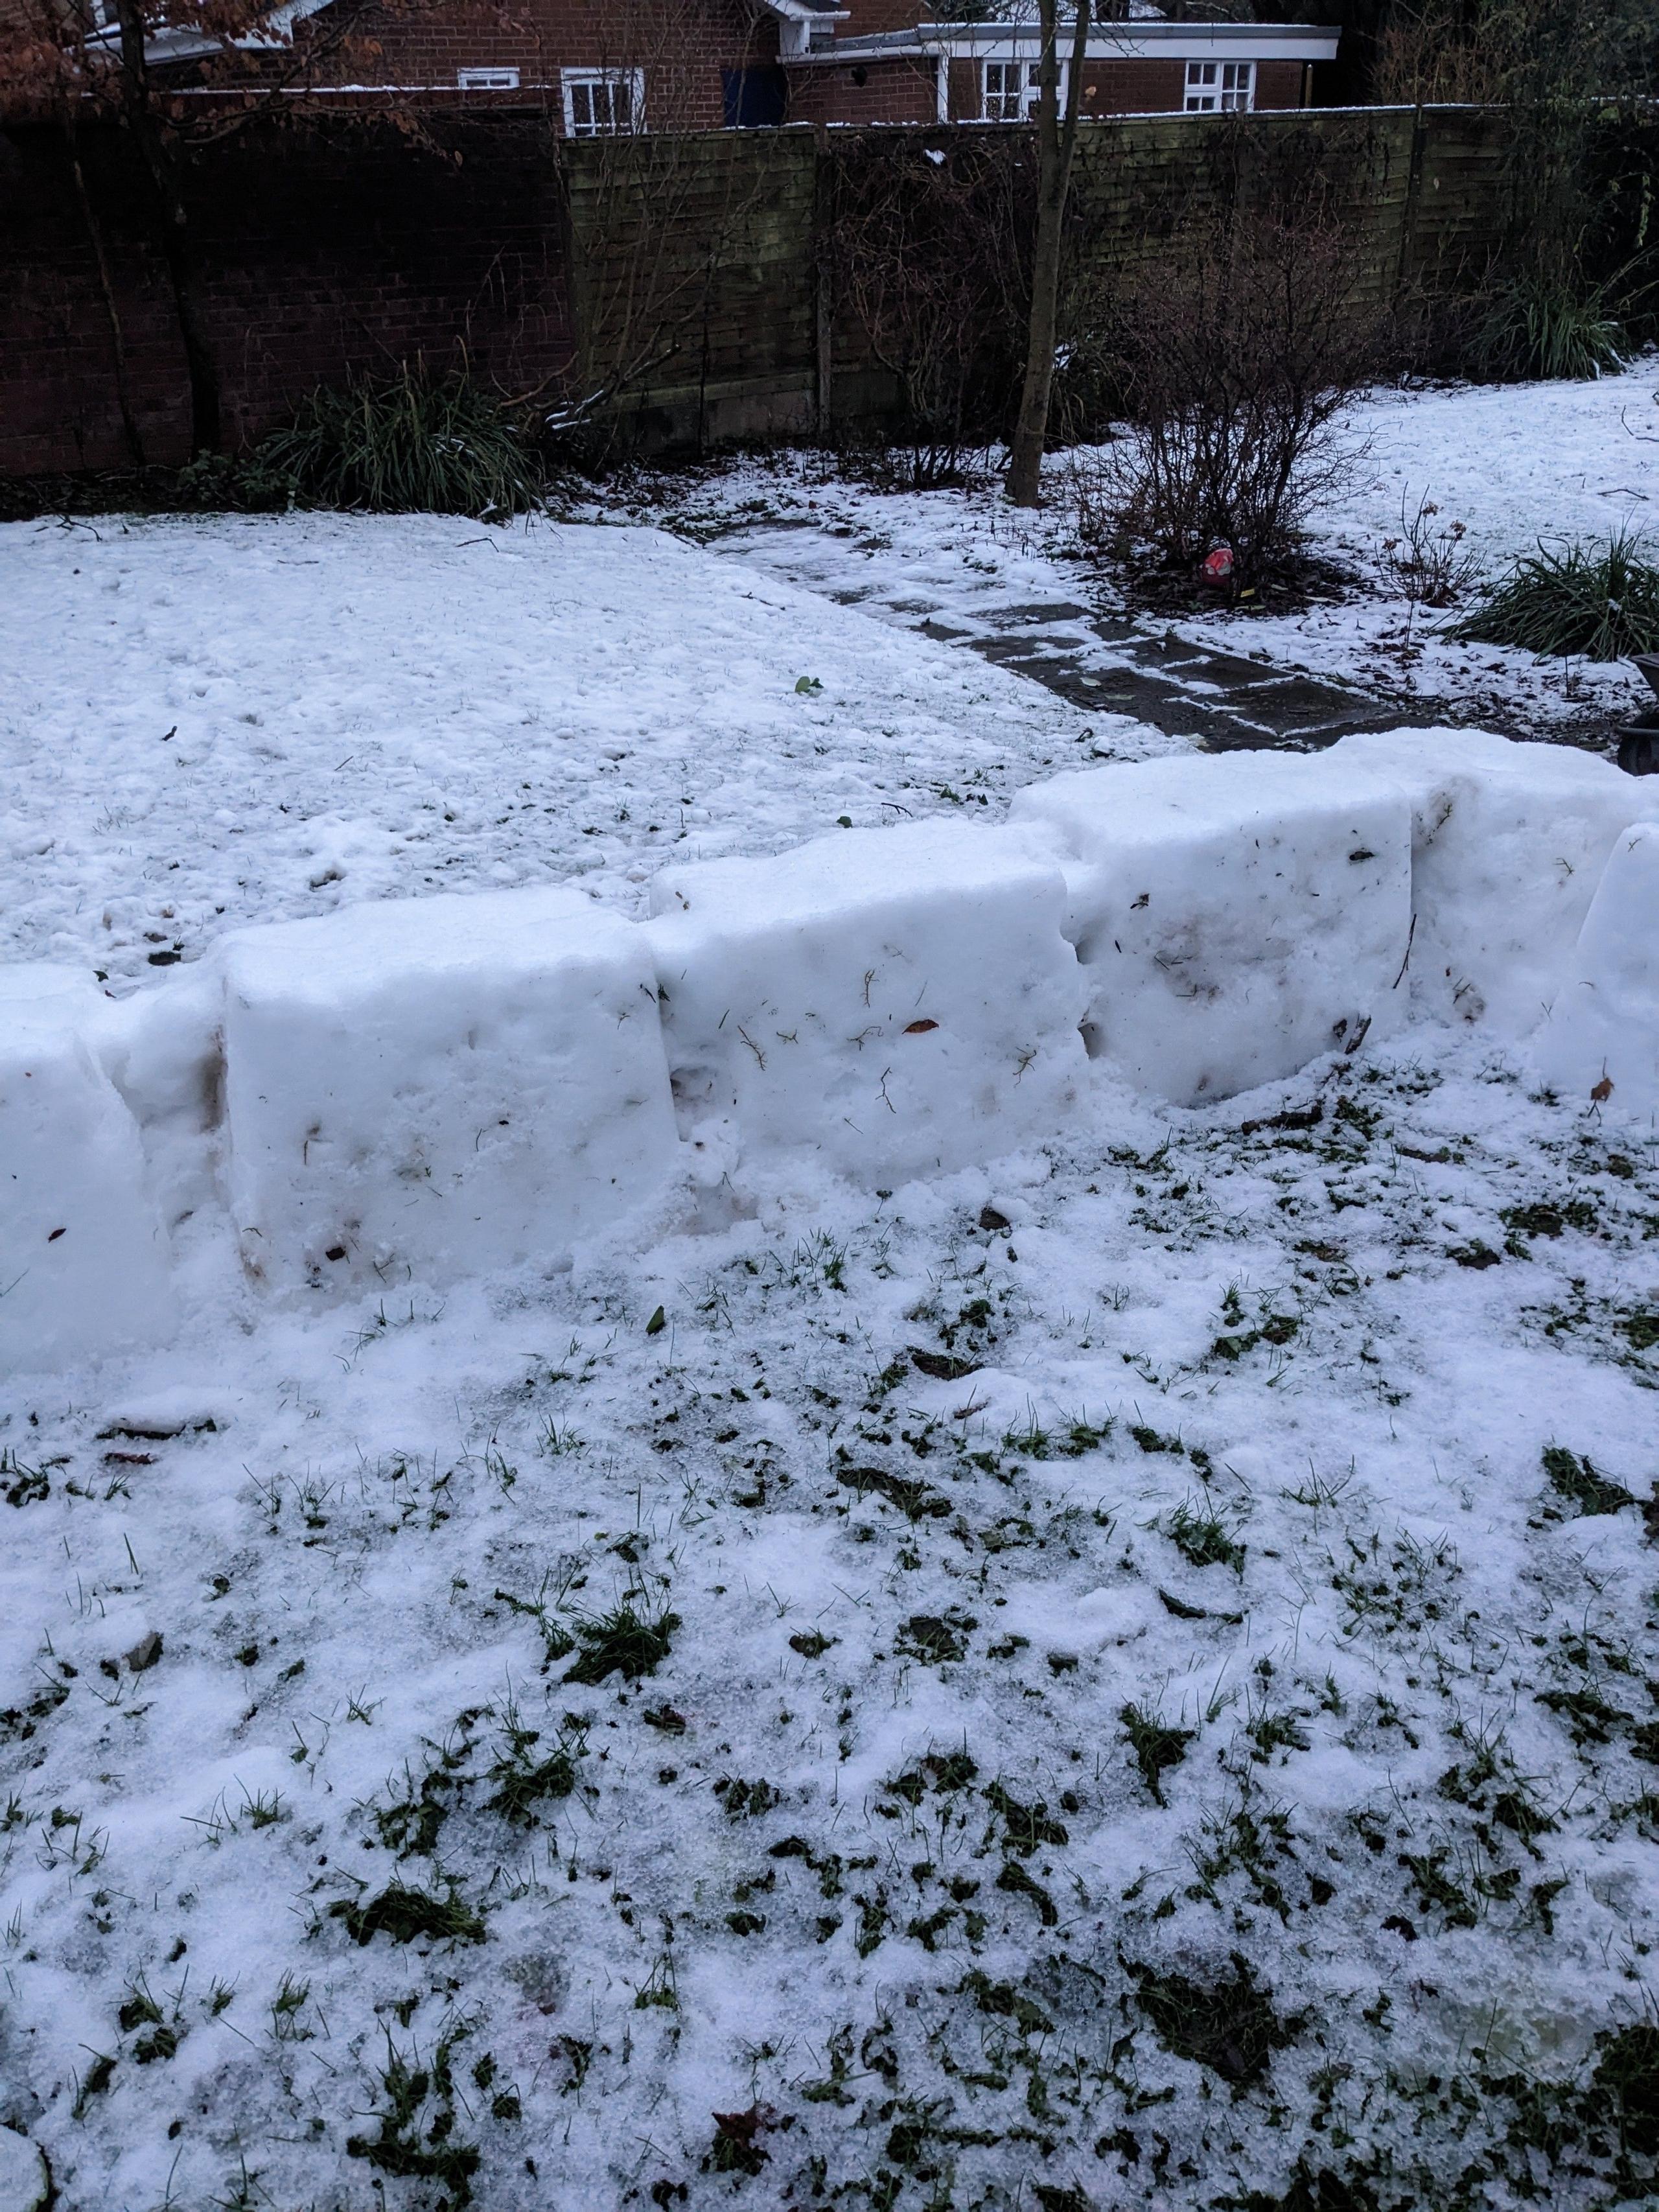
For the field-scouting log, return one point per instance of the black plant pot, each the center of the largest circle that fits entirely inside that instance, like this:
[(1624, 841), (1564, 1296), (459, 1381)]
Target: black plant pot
[(1639, 740)]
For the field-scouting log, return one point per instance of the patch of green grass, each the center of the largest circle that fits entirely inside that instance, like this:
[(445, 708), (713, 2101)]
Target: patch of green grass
[(621, 1642), (746, 1801), (1625, 2084), (1575, 1479), (934, 1638), (1544, 1218), (1230, 2026), (403, 1913), (1027, 1825), (1203, 1537), (415, 2139), (1157, 1745), (523, 1782), (913, 1499)]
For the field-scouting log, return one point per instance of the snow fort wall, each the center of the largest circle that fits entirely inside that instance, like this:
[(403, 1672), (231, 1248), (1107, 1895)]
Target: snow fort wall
[(430, 1089), (434, 1087), (898, 1001), (1236, 916), (83, 1262), (1508, 842), (1600, 1038)]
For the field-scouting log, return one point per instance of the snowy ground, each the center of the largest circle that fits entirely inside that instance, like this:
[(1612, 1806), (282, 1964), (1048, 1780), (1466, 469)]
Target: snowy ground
[(1128, 1707), (217, 721), (1126, 1678), (1512, 465)]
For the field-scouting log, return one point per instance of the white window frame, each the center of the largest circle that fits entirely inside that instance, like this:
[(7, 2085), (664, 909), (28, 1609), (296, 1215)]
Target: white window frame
[(1018, 88), (484, 79), (582, 112), (1218, 88)]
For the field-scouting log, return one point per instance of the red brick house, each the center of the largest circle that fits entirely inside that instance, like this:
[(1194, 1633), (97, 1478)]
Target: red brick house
[(605, 66), (877, 71)]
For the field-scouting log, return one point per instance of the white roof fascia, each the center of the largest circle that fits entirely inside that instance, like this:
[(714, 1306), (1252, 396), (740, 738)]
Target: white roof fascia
[(798, 24), (1117, 41)]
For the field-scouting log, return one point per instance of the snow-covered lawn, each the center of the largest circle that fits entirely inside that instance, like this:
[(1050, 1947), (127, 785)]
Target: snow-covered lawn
[(1513, 464), (212, 722), (1128, 1677)]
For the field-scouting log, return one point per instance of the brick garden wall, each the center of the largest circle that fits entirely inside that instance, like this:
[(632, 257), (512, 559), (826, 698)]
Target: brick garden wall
[(337, 247), (345, 245)]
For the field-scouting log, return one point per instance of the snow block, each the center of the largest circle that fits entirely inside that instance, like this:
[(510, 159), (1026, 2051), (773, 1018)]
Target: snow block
[(83, 1265), (163, 1050), (899, 1000), (433, 1087), (1603, 1026), (1237, 915), (1508, 842)]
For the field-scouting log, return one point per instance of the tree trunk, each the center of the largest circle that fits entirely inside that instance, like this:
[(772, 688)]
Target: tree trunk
[(1056, 145), (106, 285), (138, 104)]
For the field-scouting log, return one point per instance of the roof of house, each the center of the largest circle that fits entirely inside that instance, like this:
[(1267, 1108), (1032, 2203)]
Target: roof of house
[(1143, 39)]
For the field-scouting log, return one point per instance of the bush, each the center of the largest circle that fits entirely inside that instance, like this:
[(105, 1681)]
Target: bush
[(924, 252), (1536, 331), (406, 444), (243, 484), (1601, 601), (1235, 365)]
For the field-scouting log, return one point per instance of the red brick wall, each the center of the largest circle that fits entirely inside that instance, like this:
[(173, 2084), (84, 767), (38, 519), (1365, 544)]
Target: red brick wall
[(324, 250), (865, 18), (1133, 88), (892, 92), (682, 47), (1279, 84)]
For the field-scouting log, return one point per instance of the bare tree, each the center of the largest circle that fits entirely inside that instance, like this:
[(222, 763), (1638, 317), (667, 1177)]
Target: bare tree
[(74, 60), (1057, 146)]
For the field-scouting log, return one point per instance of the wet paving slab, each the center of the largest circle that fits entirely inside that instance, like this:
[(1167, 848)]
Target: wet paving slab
[(1122, 663)]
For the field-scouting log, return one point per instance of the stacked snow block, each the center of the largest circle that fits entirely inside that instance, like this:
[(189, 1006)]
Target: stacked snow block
[(431, 1088), (1601, 1040), (83, 1264), (1509, 843), (896, 1001), (1236, 916)]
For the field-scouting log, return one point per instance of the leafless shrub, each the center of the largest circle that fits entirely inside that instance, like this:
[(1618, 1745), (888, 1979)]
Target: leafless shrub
[(924, 253), (1237, 360), (1429, 561)]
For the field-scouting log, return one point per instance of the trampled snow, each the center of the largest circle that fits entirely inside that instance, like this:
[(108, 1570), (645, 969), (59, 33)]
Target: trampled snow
[(207, 723)]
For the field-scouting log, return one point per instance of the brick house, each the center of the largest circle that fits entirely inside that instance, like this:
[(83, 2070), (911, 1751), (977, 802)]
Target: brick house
[(605, 66), (876, 71)]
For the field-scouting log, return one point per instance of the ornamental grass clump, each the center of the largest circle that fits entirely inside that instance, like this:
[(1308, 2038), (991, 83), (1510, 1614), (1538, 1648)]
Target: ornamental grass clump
[(1600, 600), (1536, 331), (406, 444)]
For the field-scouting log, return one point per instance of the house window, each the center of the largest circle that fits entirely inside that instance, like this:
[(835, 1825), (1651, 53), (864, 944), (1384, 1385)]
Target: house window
[(601, 103), (488, 80), (1212, 86), (1008, 91)]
